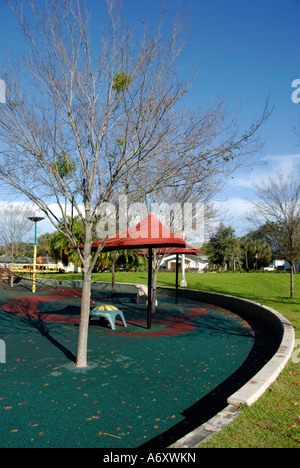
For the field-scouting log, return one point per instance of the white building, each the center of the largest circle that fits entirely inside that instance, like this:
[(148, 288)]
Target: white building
[(194, 262), (70, 268)]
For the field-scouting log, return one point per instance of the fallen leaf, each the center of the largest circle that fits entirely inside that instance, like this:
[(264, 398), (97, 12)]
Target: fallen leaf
[(106, 433)]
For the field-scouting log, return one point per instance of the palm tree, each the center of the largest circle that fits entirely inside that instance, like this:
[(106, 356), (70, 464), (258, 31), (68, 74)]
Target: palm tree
[(248, 247), (58, 241), (125, 259), (263, 251)]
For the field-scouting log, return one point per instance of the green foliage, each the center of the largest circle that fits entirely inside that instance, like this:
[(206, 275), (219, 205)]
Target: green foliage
[(257, 251), (124, 259), (58, 241), (121, 82), (224, 249), (64, 165), (130, 260)]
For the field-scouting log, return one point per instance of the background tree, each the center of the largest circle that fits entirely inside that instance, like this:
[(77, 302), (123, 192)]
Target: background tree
[(278, 203), (248, 247), (15, 228), (58, 242), (224, 249), (44, 244), (263, 253), (267, 233), (87, 121), (257, 252)]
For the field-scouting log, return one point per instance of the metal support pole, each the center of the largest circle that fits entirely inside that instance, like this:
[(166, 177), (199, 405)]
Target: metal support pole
[(149, 288), (176, 290), (35, 219), (34, 267), (183, 280)]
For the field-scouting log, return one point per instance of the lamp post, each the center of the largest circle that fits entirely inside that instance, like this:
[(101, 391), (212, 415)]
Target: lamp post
[(35, 219)]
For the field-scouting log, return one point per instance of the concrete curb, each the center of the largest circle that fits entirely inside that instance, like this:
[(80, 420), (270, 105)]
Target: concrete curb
[(203, 433), (253, 389)]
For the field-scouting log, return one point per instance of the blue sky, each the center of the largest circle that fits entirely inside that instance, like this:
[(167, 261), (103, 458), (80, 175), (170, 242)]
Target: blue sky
[(243, 49)]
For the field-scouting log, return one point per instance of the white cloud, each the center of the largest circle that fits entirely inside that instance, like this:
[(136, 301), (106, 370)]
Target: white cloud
[(235, 198), (269, 166), (282, 163), (234, 212)]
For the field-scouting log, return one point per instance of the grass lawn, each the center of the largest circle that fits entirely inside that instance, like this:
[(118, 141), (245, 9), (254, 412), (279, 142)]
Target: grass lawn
[(273, 421)]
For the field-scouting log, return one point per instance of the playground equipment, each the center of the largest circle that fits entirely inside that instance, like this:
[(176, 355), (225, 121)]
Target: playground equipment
[(6, 274), (13, 278), (109, 312), (35, 219)]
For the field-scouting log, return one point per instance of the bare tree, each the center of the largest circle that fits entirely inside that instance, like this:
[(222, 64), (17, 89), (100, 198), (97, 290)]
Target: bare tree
[(86, 122), (279, 205), (14, 227)]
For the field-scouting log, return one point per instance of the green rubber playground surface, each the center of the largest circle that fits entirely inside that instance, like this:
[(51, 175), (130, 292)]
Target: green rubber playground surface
[(142, 388)]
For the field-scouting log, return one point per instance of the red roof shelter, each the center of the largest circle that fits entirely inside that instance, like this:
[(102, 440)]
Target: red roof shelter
[(149, 233)]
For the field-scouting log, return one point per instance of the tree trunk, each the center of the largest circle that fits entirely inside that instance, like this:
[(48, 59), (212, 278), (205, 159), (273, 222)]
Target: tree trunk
[(246, 260), (113, 269), (292, 280), (81, 360)]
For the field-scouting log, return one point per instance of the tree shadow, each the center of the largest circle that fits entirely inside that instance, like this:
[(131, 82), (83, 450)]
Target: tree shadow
[(26, 322), (45, 331)]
